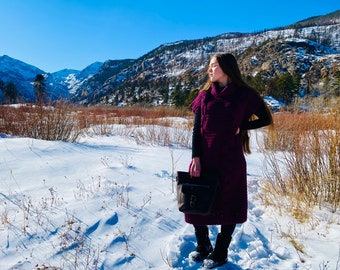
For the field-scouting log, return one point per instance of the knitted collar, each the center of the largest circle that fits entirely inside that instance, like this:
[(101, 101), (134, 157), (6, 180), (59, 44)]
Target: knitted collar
[(223, 92), (228, 92)]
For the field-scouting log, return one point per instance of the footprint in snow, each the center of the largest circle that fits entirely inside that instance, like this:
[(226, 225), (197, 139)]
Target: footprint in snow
[(163, 174), (113, 220)]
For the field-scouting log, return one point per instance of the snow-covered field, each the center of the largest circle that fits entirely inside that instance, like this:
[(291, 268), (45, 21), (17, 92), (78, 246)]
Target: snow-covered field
[(108, 203)]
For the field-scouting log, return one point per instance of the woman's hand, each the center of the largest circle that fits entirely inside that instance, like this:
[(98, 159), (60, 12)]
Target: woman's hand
[(195, 167)]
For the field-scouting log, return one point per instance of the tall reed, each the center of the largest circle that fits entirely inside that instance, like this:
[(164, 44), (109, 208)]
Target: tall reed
[(58, 122), (303, 158)]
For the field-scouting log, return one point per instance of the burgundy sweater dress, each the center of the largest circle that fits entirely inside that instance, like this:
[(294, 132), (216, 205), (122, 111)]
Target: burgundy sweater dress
[(218, 115)]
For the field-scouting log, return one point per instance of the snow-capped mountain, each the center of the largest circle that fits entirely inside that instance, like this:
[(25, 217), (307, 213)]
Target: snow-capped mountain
[(20, 73), (72, 79), (308, 49), (59, 84)]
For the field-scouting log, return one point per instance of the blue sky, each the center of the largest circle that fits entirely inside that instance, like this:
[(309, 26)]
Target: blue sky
[(57, 34)]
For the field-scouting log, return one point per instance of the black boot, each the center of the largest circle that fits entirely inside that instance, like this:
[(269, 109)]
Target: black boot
[(220, 254), (203, 247)]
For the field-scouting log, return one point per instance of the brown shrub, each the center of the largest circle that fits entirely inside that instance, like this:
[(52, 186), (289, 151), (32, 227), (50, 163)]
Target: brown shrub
[(303, 158)]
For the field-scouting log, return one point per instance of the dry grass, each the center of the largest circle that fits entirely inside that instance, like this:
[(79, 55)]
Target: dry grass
[(59, 122), (156, 125), (302, 153), (303, 160), (139, 116), (67, 122)]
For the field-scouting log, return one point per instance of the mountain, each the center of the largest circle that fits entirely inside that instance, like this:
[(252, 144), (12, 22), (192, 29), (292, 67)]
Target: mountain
[(327, 19), (20, 73), (72, 79), (308, 50), (58, 84), (110, 70)]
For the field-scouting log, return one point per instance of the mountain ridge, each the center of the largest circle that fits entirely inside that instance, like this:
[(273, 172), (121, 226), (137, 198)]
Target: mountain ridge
[(155, 76)]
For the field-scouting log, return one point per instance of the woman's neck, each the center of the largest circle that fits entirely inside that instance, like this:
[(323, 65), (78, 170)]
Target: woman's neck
[(223, 83)]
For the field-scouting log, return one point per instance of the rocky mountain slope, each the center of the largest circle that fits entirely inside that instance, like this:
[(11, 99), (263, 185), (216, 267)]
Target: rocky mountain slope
[(19, 73), (308, 49), (61, 84)]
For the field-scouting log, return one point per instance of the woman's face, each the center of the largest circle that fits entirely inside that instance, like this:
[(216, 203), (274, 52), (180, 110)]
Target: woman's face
[(216, 74)]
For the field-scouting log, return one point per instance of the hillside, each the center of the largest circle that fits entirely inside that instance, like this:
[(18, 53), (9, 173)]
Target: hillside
[(59, 84), (307, 50), (318, 20)]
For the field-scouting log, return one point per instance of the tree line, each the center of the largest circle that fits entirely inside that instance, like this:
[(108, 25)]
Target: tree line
[(284, 87), (10, 93)]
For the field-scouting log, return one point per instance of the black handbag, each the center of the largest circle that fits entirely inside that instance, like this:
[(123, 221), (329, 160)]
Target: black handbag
[(196, 195)]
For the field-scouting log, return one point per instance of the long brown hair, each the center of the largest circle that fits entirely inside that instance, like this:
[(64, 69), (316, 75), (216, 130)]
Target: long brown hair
[(229, 66)]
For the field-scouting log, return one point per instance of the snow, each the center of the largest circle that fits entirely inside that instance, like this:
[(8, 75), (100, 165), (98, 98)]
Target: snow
[(273, 103), (107, 203)]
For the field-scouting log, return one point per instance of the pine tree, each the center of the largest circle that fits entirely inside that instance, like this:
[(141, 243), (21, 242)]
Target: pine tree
[(10, 93), (2, 84), (40, 88), (284, 87)]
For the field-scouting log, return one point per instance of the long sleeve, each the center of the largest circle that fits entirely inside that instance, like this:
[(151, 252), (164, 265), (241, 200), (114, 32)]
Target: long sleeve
[(264, 118), (196, 136)]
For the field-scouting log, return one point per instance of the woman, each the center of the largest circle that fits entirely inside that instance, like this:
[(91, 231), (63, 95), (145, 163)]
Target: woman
[(223, 113)]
